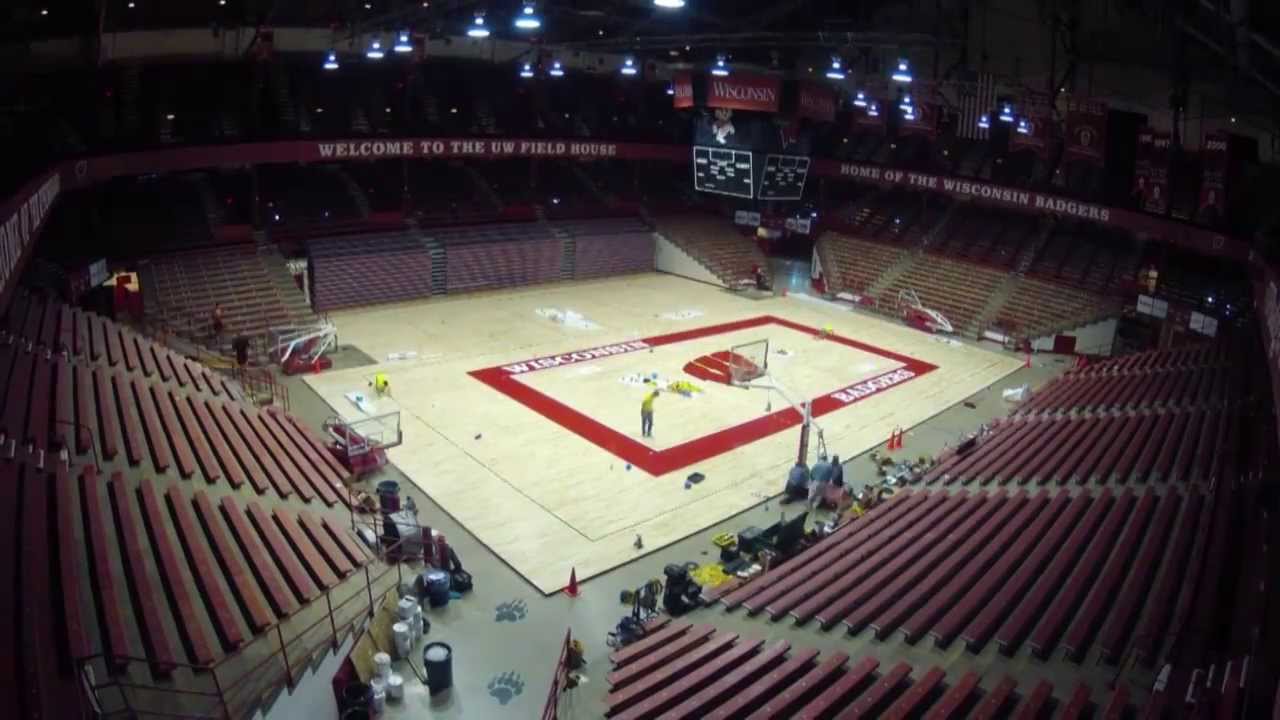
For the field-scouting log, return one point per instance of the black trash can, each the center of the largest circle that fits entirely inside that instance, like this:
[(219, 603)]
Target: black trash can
[(437, 660), (356, 696)]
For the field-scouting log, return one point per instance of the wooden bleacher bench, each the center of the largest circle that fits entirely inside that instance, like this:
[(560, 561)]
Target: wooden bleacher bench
[(838, 693), (150, 598), (265, 570)]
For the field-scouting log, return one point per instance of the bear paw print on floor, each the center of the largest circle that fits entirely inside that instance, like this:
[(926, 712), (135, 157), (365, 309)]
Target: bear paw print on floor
[(511, 611), (506, 686)]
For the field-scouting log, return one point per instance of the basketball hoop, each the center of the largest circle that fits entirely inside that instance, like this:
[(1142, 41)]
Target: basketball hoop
[(748, 362)]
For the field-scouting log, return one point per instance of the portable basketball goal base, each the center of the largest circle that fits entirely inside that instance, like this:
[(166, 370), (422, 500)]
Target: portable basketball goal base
[(302, 348), (749, 368), (361, 445), (915, 314)]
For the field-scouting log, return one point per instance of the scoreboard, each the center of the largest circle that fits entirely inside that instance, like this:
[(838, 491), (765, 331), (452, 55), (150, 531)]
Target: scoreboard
[(783, 177), (723, 171)]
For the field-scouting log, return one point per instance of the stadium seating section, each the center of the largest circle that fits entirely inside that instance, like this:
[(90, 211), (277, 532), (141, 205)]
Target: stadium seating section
[(1023, 276), (717, 245), (366, 269), (696, 671), (250, 282), (172, 521)]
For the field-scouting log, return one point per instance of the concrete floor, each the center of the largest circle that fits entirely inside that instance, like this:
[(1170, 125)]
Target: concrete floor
[(506, 635)]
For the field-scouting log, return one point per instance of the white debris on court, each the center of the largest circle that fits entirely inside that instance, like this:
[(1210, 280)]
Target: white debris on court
[(362, 402), (567, 317), (680, 315)]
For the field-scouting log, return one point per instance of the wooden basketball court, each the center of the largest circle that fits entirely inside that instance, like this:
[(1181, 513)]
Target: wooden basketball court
[(521, 409)]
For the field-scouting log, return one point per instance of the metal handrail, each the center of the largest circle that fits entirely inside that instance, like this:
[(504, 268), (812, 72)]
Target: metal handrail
[(551, 707), (222, 692)]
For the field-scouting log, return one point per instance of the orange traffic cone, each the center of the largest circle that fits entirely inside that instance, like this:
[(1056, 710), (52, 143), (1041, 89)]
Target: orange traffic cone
[(901, 434), (572, 588), (893, 437)]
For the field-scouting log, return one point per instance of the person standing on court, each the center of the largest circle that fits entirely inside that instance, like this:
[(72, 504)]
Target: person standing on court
[(646, 413)]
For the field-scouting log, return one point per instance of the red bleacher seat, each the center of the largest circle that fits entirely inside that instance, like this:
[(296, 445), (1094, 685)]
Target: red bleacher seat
[(264, 569), (840, 692), (150, 612), (186, 611)]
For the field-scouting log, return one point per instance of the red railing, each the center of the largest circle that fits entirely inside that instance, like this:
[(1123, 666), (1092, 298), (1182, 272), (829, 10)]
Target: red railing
[(559, 679)]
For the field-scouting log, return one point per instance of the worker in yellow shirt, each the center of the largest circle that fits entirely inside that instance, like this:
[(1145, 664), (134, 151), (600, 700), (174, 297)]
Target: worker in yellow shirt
[(381, 385), (646, 413)]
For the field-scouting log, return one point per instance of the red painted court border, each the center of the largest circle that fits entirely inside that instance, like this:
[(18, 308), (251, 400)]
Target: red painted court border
[(659, 462)]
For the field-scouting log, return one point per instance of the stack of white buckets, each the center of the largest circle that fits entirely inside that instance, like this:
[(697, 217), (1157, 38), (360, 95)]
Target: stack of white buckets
[(387, 685)]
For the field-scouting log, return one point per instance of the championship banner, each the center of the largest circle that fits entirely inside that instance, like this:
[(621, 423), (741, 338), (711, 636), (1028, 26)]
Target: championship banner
[(1037, 112), (1156, 199), (1036, 139), (925, 122), (682, 85), (1213, 180), (1142, 166), (816, 102), (745, 91), (862, 121), (1086, 130)]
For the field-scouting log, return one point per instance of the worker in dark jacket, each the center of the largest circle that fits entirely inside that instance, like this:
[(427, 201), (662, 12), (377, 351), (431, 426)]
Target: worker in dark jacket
[(797, 483)]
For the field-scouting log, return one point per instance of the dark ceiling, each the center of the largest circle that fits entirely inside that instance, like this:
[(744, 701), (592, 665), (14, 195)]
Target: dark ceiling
[(565, 20)]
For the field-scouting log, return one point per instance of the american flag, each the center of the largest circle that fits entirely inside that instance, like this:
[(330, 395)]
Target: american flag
[(976, 99)]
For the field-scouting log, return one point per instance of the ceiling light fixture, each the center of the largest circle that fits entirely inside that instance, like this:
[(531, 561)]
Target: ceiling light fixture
[(403, 43), (860, 99), (835, 72), (526, 70), (984, 121), (478, 29), (669, 4), (528, 18), (557, 70), (721, 68), (629, 67), (1006, 113), (902, 73), (331, 61), (873, 110), (375, 51)]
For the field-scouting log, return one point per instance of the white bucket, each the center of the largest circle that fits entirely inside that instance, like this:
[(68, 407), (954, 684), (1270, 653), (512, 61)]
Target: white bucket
[(406, 608), (381, 666), (395, 687), (403, 636), (379, 701)]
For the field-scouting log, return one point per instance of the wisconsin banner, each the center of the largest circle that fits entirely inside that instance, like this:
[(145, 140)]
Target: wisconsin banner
[(1142, 167), (925, 121), (1213, 179), (816, 102), (864, 121), (1086, 134), (682, 85), (1038, 123), (745, 91), (1157, 196)]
